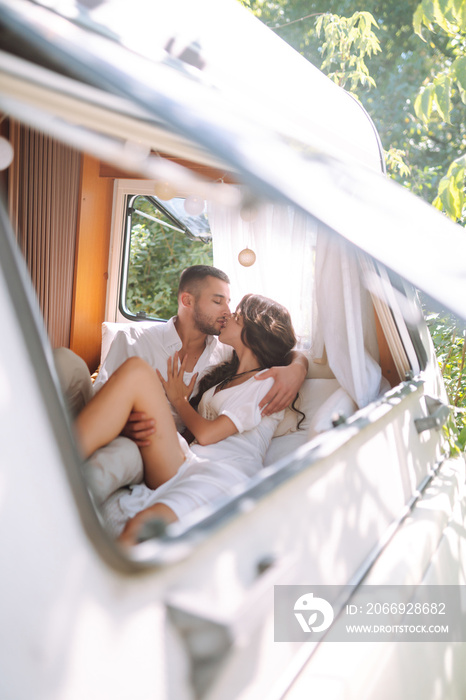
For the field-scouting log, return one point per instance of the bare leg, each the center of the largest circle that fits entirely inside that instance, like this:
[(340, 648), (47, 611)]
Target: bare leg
[(133, 526), (133, 387)]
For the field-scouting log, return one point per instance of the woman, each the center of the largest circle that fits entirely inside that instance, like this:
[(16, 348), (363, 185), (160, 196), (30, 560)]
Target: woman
[(231, 434)]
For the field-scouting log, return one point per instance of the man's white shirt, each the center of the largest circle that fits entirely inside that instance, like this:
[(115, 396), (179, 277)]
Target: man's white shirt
[(156, 344)]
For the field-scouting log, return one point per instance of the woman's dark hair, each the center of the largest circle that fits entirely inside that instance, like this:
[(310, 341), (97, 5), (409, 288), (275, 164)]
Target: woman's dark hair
[(267, 331)]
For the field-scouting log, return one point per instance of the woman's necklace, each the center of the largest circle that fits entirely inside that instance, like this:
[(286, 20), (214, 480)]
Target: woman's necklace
[(226, 381)]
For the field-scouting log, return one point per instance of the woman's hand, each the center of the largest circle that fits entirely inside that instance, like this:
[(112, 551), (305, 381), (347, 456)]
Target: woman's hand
[(175, 388)]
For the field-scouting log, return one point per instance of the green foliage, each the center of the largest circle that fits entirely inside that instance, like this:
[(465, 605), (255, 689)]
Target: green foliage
[(417, 102), (394, 159), (449, 335), (451, 196), (347, 42), (449, 15), (444, 91), (158, 255)]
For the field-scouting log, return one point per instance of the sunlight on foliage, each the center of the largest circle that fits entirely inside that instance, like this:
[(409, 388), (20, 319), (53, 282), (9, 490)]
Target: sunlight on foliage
[(157, 257), (451, 191), (448, 335), (347, 42), (394, 159)]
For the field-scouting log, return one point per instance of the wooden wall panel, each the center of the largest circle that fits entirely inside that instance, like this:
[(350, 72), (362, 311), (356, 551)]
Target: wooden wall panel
[(387, 362), (91, 262)]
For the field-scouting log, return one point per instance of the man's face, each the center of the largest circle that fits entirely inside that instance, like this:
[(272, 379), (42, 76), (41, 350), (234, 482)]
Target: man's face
[(211, 310)]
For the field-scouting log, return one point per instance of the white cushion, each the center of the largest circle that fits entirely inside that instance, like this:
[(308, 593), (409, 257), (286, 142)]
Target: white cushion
[(313, 393), (110, 329), (339, 403), (117, 464), (75, 379), (321, 400)]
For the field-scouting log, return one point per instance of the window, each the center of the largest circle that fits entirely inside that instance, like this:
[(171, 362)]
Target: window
[(161, 239)]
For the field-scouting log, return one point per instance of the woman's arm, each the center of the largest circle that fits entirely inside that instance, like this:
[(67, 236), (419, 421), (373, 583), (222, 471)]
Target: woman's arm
[(205, 431)]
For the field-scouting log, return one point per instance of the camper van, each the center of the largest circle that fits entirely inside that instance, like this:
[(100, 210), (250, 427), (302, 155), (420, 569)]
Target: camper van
[(137, 139)]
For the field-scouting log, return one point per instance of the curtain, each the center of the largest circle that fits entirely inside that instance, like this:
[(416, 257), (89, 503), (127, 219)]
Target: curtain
[(284, 242), (43, 201), (317, 276), (344, 325)]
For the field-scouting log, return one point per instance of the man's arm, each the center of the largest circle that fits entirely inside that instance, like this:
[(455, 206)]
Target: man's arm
[(287, 383)]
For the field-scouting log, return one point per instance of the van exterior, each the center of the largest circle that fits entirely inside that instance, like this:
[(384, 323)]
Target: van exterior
[(375, 499)]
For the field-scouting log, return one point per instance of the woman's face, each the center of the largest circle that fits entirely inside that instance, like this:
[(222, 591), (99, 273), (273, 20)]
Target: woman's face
[(230, 334)]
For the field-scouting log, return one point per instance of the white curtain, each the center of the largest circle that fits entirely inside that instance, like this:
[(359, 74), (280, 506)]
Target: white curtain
[(344, 325), (284, 243), (317, 276)]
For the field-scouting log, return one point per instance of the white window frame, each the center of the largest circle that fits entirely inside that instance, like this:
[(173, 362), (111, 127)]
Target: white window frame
[(122, 189)]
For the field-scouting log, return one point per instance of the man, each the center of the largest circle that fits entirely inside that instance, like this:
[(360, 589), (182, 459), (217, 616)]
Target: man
[(203, 307)]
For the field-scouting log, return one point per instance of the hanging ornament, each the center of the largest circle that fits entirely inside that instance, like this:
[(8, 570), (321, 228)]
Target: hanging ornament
[(247, 257), (164, 190), (6, 153), (194, 205)]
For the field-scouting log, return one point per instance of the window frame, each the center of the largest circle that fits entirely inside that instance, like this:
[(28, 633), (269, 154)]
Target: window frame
[(124, 191)]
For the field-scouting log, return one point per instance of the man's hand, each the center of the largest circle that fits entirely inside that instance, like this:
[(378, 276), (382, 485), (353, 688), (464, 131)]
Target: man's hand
[(288, 381), (139, 428)]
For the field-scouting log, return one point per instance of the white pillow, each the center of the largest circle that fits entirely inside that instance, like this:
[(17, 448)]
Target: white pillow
[(313, 393), (75, 379), (340, 402), (110, 329), (117, 464)]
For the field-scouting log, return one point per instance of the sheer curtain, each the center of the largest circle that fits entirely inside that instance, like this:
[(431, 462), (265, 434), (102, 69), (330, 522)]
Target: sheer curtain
[(317, 276), (344, 325), (284, 243)]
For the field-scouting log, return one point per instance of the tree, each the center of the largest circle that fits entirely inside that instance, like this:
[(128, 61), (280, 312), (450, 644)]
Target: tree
[(442, 98), (419, 153), (415, 91)]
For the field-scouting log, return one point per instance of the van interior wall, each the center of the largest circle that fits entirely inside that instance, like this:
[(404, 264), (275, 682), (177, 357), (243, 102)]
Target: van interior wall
[(43, 190), (4, 133), (60, 204), (61, 209), (387, 363), (91, 262)]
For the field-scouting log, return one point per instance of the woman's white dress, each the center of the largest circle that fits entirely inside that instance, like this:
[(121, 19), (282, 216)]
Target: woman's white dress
[(212, 471)]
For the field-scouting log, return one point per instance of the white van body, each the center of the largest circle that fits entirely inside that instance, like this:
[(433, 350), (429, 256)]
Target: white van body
[(375, 500)]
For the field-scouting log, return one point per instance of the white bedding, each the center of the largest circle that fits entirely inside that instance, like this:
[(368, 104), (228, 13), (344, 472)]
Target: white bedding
[(119, 464)]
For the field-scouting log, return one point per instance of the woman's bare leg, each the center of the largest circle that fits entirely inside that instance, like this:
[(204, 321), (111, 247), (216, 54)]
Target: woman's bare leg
[(133, 387)]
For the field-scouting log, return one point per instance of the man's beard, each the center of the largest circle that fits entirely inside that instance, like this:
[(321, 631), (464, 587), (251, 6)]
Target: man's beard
[(203, 324)]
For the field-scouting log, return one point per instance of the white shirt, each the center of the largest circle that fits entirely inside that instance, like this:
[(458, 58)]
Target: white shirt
[(156, 344), (212, 472)]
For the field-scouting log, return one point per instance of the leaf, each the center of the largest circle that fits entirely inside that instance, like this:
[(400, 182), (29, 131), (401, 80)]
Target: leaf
[(459, 9), (418, 21), (443, 14), (462, 438), (429, 10), (451, 195), (458, 71), (442, 96), (423, 103)]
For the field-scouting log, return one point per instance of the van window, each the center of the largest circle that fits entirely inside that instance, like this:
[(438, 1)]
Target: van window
[(161, 239)]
